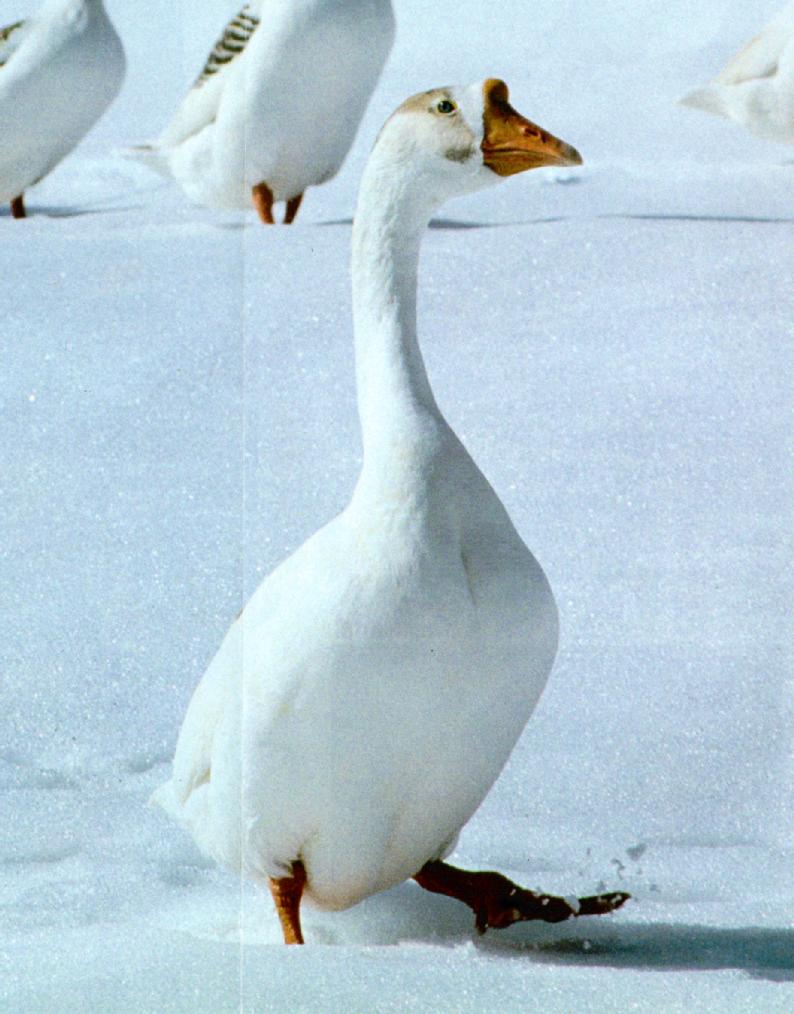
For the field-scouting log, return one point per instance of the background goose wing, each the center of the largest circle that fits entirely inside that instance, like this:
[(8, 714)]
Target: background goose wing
[(231, 43), (10, 38), (760, 57), (199, 107)]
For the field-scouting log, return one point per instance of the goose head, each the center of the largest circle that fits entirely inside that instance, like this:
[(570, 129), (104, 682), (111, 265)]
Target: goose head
[(451, 141)]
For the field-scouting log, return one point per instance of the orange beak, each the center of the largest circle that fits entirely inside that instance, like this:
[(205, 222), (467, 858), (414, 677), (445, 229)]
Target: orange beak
[(512, 144)]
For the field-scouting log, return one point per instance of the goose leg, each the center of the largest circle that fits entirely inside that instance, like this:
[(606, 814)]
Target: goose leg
[(292, 209), (18, 207), (287, 893), (262, 197), (498, 902)]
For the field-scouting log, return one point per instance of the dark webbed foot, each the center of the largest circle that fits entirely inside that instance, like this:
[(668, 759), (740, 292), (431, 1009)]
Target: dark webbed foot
[(602, 904), (497, 902), (292, 209)]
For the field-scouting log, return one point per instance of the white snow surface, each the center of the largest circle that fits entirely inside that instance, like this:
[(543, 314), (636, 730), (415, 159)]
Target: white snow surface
[(614, 344)]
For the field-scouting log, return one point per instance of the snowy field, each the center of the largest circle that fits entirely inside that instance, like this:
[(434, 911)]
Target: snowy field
[(614, 344)]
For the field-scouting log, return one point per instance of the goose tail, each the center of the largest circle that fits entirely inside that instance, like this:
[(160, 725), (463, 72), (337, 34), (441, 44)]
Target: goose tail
[(709, 98), (149, 155)]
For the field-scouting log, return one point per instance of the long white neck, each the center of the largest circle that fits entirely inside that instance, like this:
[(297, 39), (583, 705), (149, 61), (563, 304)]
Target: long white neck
[(394, 394)]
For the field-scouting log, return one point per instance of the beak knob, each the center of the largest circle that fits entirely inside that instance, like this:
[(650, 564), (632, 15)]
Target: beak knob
[(511, 143)]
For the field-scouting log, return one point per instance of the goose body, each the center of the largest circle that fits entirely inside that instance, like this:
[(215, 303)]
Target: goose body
[(366, 700), (756, 88), (278, 102), (371, 691), (59, 71)]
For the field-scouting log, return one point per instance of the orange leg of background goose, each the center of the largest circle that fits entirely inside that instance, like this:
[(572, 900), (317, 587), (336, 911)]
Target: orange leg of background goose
[(292, 209), (287, 893), (262, 197), (18, 208), (498, 902)]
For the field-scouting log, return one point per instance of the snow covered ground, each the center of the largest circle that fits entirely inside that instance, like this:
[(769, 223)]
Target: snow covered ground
[(613, 344)]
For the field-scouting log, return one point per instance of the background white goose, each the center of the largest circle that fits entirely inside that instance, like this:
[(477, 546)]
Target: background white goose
[(756, 88), (59, 71), (368, 696), (277, 105)]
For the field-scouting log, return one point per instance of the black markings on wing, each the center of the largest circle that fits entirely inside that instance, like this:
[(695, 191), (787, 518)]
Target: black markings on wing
[(9, 40), (233, 41)]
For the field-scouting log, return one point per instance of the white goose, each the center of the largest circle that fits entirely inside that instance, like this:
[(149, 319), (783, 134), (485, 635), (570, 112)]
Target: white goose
[(368, 696), (757, 87), (277, 105), (59, 71)]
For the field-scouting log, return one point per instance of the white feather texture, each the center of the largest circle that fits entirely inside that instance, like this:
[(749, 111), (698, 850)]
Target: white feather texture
[(756, 88), (285, 109), (370, 693), (62, 70)]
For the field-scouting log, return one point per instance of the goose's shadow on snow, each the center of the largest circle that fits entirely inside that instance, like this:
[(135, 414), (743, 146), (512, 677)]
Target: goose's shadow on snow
[(406, 914), (641, 216), (56, 211), (443, 224), (760, 953), (620, 216)]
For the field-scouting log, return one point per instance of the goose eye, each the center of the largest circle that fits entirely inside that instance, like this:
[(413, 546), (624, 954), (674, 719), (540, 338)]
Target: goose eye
[(445, 106)]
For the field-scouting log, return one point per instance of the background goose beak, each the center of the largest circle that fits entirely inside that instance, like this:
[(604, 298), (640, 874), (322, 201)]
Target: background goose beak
[(512, 144)]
